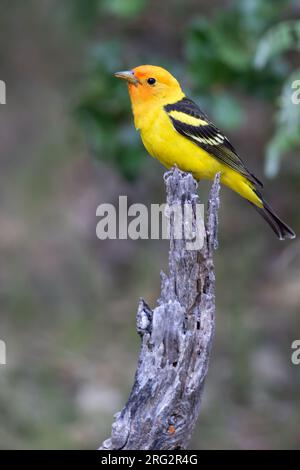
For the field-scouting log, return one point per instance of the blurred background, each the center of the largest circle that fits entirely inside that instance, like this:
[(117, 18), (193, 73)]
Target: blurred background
[(68, 301)]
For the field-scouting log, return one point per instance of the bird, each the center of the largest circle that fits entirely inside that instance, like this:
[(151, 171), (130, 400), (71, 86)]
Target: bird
[(175, 131)]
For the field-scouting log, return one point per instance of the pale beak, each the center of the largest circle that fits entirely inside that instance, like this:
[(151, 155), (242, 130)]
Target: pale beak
[(127, 75)]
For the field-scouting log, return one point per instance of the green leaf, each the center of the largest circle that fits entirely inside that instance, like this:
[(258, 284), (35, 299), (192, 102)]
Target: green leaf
[(280, 38)]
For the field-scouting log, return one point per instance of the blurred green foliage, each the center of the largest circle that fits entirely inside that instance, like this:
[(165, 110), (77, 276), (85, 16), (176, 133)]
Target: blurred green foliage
[(225, 55), (103, 111), (281, 38), (220, 54)]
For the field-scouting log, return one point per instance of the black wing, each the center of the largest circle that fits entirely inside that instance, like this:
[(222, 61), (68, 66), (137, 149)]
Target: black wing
[(188, 119)]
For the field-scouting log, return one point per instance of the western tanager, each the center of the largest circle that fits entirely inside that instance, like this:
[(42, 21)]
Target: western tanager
[(175, 131)]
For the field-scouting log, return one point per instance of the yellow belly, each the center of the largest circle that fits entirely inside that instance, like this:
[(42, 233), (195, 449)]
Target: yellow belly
[(161, 144), (169, 147)]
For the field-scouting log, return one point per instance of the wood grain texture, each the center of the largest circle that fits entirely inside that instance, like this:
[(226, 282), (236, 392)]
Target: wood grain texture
[(165, 400)]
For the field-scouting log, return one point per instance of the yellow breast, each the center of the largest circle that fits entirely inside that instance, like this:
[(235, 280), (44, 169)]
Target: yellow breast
[(163, 142)]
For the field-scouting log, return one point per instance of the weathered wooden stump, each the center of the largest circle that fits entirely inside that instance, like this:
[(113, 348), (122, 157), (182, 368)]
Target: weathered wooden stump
[(165, 400)]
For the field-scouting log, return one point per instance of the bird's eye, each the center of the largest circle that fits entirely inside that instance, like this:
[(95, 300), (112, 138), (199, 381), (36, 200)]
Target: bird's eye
[(151, 81)]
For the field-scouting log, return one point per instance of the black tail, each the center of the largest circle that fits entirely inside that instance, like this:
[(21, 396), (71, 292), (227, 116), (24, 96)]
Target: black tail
[(281, 229)]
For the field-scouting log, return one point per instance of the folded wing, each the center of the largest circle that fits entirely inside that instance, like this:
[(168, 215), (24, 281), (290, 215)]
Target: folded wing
[(188, 119)]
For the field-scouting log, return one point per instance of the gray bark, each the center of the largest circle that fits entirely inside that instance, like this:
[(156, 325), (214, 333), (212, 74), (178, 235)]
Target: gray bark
[(165, 400)]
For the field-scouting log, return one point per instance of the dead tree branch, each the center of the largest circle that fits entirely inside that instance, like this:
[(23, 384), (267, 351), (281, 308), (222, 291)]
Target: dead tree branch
[(164, 403)]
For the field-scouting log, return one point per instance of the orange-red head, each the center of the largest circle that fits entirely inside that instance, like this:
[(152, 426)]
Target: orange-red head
[(149, 84)]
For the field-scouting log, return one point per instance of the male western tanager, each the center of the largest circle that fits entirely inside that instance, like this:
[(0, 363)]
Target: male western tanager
[(175, 131)]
